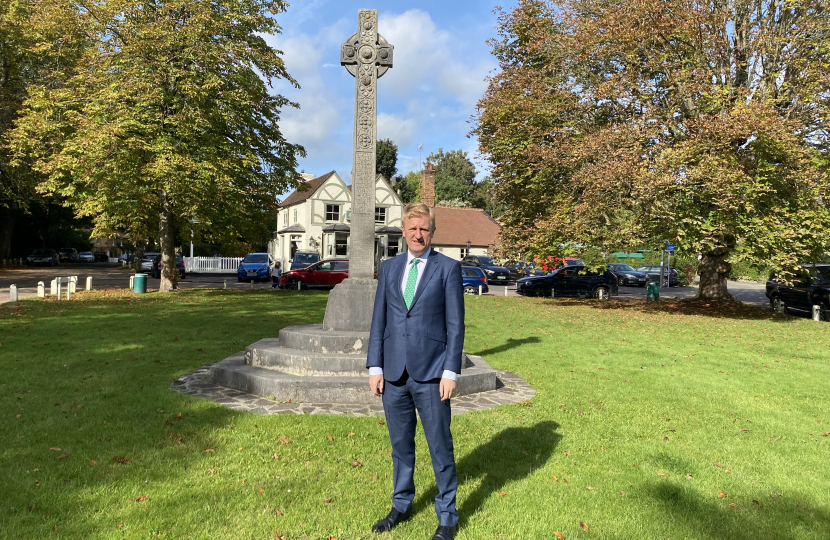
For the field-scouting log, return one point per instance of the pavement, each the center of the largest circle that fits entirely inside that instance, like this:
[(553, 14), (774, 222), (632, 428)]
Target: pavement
[(111, 276)]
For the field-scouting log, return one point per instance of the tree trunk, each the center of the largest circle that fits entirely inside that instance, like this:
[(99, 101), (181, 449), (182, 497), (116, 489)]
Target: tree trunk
[(714, 271), (168, 254), (6, 228)]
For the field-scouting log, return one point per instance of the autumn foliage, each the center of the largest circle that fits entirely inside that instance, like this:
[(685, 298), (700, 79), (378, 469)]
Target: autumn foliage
[(620, 124)]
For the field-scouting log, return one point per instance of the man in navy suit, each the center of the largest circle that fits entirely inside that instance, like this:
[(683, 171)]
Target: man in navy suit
[(414, 358)]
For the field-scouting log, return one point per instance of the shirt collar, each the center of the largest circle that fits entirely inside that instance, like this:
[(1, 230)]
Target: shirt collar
[(422, 258)]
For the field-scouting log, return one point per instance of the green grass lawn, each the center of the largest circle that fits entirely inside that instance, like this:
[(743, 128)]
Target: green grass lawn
[(651, 421)]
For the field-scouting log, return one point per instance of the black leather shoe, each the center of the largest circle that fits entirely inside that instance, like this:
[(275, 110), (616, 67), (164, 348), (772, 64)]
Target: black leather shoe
[(443, 533), (386, 524)]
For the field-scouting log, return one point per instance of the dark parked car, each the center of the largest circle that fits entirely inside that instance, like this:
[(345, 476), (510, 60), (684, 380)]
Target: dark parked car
[(570, 281), (627, 275), (809, 288), (47, 257), (255, 266), (474, 278), (156, 271), (321, 275), (653, 272), (519, 270), (493, 271), (302, 259), (147, 260), (69, 255), (101, 256)]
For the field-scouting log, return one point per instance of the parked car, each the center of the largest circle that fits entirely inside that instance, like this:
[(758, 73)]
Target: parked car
[(146, 262), (493, 271), (809, 288), (473, 278), (653, 272), (302, 259), (101, 256), (86, 256), (627, 275), (255, 266), (320, 275), (570, 281), (69, 254), (519, 270), (47, 257), (156, 271)]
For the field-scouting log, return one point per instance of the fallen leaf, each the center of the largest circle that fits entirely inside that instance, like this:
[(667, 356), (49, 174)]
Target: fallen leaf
[(555, 479), (758, 504), (93, 462), (357, 463), (121, 460), (689, 476), (119, 526), (826, 434), (567, 453), (276, 511), (327, 500), (283, 440), (332, 537), (502, 493), (584, 526), (721, 495), (733, 505), (591, 489), (32, 506), (210, 450), (381, 422), (661, 474), (64, 456), (564, 479), (56, 449), (330, 438), (374, 477), (351, 434), (275, 456), (776, 495), (56, 528), (261, 490), (80, 406), (141, 498), (622, 493), (212, 471), (665, 439), (559, 535), (241, 447), (243, 481)]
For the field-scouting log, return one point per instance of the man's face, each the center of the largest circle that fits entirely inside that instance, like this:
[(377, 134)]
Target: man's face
[(418, 234)]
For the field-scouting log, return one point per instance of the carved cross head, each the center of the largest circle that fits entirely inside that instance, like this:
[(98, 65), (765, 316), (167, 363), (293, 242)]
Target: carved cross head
[(366, 46)]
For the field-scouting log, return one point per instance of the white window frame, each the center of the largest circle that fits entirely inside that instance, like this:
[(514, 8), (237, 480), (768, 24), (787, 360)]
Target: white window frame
[(335, 212)]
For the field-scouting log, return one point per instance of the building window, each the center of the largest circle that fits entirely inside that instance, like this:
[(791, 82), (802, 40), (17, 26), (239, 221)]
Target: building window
[(341, 246), (332, 212), (295, 216), (285, 218), (380, 215), (465, 251)]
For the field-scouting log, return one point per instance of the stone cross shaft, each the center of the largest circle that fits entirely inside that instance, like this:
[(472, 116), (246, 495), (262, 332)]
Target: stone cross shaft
[(367, 56)]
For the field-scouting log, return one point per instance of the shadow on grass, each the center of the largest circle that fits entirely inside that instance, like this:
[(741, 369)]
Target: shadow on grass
[(512, 343), (511, 455), (686, 307), (783, 518)]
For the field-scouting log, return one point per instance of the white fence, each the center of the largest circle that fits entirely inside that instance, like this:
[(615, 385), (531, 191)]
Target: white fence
[(208, 265)]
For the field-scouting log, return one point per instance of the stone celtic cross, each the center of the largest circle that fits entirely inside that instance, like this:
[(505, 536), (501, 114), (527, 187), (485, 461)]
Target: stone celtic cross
[(367, 56)]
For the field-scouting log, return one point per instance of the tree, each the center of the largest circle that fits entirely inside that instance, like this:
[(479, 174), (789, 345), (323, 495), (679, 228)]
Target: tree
[(454, 175), (617, 123), (387, 159), (409, 187), (166, 122)]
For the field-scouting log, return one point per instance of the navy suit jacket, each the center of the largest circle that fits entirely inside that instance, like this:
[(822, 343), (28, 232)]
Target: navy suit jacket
[(428, 337)]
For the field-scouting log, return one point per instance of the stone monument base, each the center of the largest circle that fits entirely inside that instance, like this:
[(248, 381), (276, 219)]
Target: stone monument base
[(350, 305), (310, 364)]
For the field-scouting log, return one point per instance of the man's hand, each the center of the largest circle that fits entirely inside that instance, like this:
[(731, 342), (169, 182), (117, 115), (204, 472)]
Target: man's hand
[(447, 387), (376, 384)]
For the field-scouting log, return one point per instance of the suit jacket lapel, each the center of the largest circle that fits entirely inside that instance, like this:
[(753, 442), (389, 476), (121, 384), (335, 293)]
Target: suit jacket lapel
[(429, 270), (398, 279)]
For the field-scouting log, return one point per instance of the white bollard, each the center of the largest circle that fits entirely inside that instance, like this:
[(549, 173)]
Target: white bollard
[(224, 283), (816, 313), (13, 293), (41, 289), (299, 285), (480, 288), (71, 286), (505, 290), (89, 283), (131, 282), (59, 280), (252, 284), (54, 287)]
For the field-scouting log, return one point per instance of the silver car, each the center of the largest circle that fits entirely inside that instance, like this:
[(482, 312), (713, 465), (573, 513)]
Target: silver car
[(146, 262), (86, 256)]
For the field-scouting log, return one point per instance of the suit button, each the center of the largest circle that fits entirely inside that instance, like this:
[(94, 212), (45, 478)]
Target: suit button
[(407, 315)]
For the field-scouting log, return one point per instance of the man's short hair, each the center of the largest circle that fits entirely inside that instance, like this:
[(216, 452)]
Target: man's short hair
[(419, 210)]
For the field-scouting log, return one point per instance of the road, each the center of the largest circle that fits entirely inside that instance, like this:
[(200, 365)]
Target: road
[(110, 276)]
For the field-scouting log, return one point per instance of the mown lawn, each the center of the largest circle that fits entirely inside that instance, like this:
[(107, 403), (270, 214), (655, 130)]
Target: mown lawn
[(651, 421)]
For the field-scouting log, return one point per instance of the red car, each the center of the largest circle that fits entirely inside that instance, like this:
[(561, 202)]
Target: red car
[(321, 275)]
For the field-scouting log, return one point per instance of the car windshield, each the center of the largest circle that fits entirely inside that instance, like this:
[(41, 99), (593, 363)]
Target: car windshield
[(621, 267), (86, 253), (305, 257), (487, 260), (65, 250), (41, 252), (255, 258), (150, 256), (574, 262), (824, 271)]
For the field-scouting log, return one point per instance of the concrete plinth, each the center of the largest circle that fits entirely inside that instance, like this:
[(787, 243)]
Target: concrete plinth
[(350, 306)]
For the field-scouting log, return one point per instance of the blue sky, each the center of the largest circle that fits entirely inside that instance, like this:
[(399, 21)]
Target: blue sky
[(441, 62)]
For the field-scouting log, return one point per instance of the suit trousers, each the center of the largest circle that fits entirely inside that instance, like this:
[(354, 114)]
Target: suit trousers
[(400, 401)]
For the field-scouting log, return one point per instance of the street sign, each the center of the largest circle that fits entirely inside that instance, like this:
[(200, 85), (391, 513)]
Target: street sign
[(670, 247)]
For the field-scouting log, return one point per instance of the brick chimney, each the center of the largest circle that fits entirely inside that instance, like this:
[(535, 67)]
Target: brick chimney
[(428, 186)]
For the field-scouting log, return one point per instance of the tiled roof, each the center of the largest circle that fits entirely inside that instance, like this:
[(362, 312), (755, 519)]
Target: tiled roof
[(299, 196), (454, 226)]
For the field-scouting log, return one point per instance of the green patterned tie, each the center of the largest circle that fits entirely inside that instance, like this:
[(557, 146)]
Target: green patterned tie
[(409, 291)]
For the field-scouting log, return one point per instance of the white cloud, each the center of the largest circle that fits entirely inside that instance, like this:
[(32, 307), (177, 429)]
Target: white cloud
[(400, 130)]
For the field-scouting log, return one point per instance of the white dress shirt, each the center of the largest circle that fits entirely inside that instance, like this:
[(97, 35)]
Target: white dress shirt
[(422, 262)]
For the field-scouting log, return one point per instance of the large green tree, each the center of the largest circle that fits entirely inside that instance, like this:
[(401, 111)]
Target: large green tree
[(166, 122), (386, 160), (454, 176), (613, 123)]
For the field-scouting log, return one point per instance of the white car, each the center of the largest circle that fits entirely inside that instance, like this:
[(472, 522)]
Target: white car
[(146, 262), (86, 256)]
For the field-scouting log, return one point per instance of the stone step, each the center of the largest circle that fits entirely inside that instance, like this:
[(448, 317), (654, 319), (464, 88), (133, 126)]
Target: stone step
[(270, 354), (312, 337), (234, 372)]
